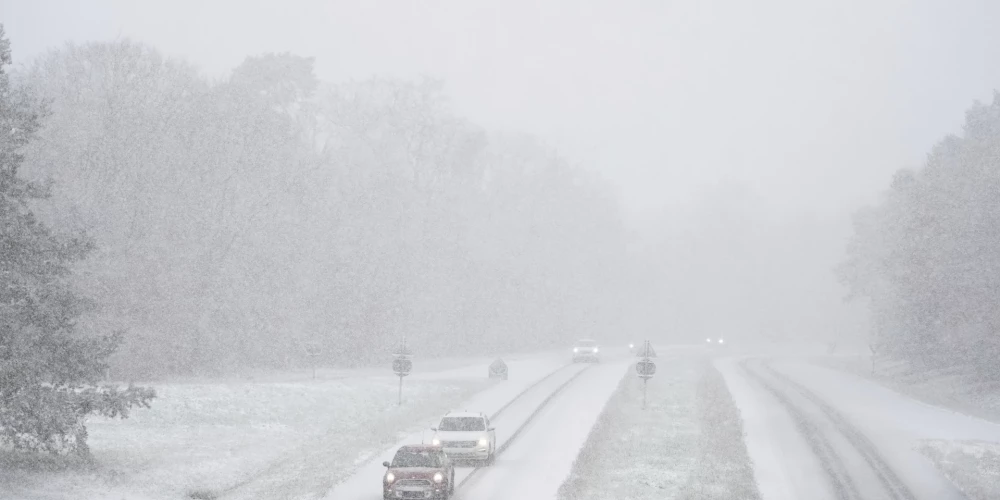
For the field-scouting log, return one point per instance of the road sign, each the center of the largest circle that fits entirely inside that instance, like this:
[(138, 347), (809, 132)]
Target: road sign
[(645, 369), (313, 349), (402, 366)]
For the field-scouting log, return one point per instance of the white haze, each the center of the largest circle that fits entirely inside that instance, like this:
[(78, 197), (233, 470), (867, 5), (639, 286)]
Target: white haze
[(740, 135)]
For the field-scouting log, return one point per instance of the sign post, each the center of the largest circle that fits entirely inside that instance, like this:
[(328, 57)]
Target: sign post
[(313, 350), (645, 369), (401, 365)]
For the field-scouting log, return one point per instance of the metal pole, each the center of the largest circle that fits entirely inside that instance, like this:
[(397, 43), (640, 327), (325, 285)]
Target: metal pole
[(645, 377), (400, 390), (644, 392)]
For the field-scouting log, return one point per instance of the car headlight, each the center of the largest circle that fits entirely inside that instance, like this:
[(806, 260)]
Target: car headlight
[(484, 441), (389, 477), (438, 477), (708, 340), (595, 350), (720, 341), (435, 442), (630, 346)]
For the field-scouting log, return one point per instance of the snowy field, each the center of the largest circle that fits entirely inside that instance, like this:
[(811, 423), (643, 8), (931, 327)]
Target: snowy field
[(973, 466), (292, 438), (678, 447), (950, 388)]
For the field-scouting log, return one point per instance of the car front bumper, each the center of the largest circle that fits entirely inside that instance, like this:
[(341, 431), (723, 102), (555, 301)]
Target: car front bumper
[(477, 453), (403, 492)]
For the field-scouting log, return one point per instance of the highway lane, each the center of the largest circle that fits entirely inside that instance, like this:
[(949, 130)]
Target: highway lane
[(537, 463), (509, 409), (818, 433)]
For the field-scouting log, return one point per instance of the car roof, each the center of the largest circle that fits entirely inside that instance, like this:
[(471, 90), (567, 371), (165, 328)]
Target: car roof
[(587, 340), (464, 414)]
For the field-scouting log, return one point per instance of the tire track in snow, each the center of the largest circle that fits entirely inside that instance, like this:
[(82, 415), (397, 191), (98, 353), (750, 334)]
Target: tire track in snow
[(833, 462), (531, 418)]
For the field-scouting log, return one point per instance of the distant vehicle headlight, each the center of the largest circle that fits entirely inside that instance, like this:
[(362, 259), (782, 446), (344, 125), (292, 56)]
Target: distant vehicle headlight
[(720, 341), (389, 477), (595, 350), (631, 346), (484, 441), (435, 442), (438, 477), (576, 350), (708, 340)]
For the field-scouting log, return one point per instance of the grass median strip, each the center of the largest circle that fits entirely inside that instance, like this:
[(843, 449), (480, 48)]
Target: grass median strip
[(687, 444), (642, 454), (724, 470)]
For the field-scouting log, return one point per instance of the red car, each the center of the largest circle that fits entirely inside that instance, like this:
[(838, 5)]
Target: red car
[(419, 471)]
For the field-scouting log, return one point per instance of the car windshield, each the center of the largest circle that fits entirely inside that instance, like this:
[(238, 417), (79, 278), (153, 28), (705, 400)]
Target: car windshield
[(413, 458), (462, 424), (586, 343)]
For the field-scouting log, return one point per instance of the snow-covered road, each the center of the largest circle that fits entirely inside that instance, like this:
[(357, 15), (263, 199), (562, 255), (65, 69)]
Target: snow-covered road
[(536, 463), (310, 469), (552, 413), (817, 433)]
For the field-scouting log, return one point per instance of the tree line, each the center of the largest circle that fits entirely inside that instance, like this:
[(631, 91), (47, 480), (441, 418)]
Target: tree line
[(926, 257), (235, 221)]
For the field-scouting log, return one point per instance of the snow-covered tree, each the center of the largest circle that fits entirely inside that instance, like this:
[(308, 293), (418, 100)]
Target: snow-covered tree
[(50, 373), (927, 258)]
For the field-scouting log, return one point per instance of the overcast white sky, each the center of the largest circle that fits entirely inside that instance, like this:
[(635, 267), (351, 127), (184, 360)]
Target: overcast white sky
[(814, 103)]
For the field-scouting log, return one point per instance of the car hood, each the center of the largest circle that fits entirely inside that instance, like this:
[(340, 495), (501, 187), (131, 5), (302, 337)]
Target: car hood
[(460, 435), (415, 472)]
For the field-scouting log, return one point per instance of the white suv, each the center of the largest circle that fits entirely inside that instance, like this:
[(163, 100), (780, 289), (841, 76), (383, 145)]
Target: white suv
[(466, 436)]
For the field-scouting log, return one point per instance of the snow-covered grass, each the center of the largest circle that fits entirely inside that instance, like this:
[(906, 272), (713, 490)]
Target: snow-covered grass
[(946, 387), (242, 439), (637, 454), (724, 469), (973, 466)]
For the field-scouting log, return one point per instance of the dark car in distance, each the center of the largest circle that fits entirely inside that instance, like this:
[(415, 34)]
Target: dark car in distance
[(418, 471)]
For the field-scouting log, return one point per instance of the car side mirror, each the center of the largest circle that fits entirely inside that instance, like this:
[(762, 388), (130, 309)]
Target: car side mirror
[(385, 464), (492, 429), (435, 429)]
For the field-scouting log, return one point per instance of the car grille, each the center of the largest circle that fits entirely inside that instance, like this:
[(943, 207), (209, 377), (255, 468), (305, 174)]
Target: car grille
[(459, 444), (413, 482), (414, 494)]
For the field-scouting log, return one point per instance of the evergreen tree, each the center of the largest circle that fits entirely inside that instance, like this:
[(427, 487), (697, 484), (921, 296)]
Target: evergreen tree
[(49, 373)]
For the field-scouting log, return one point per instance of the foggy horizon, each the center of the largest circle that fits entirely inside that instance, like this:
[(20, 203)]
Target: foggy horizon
[(849, 92)]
